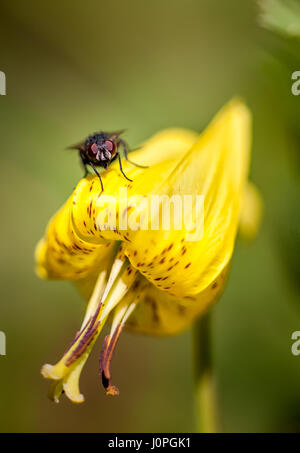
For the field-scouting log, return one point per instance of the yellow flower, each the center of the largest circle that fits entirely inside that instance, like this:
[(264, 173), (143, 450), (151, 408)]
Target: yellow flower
[(154, 278)]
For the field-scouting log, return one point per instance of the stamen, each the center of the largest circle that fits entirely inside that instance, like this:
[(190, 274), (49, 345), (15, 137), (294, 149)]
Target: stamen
[(86, 328), (103, 300), (105, 358), (84, 342), (96, 296), (109, 346)]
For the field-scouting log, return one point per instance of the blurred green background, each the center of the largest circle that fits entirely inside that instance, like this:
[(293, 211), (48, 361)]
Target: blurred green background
[(75, 67)]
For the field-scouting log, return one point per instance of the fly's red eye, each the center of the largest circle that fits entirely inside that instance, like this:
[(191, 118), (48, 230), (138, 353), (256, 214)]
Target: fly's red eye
[(110, 146), (93, 150)]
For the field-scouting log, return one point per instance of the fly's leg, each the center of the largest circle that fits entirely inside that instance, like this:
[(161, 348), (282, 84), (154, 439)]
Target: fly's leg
[(84, 165), (120, 163), (124, 146), (98, 174)]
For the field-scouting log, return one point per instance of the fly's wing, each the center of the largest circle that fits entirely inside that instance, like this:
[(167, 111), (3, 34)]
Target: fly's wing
[(116, 134), (78, 146)]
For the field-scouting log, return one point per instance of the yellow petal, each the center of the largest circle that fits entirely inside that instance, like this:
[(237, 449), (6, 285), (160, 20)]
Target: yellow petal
[(165, 145), (159, 313), (215, 167)]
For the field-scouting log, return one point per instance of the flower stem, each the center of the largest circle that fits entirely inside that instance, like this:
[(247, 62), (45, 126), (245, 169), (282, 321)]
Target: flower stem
[(206, 410)]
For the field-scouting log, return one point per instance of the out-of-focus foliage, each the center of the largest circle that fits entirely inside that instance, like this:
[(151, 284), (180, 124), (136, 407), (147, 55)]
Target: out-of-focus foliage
[(75, 67), (282, 16)]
